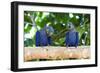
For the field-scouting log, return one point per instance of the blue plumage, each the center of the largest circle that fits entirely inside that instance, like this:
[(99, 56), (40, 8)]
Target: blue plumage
[(43, 37), (72, 38)]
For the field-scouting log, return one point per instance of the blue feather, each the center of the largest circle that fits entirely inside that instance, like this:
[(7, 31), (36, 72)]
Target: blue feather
[(72, 38), (42, 38)]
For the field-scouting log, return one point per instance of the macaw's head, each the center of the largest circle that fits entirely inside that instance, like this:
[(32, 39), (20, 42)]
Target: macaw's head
[(49, 30), (70, 26)]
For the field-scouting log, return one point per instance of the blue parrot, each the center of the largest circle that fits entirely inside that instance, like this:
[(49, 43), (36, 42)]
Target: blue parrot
[(43, 37), (72, 38)]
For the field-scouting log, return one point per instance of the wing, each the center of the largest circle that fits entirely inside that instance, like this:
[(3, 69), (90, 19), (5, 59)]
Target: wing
[(37, 39)]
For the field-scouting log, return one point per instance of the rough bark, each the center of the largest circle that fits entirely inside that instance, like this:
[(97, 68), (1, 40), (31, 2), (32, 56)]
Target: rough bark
[(54, 53)]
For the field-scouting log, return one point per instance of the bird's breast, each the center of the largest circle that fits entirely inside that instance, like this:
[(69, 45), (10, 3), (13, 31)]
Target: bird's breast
[(72, 37)]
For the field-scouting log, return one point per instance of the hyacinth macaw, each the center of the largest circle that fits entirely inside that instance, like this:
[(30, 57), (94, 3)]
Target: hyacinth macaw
[(43, 37), (72, 38)]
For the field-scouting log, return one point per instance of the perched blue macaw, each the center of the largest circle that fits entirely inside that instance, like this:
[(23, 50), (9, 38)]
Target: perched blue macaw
[(72, 38), (43, 37)]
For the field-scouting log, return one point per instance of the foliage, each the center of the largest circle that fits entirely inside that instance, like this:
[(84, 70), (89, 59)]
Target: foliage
[(34, 21)]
